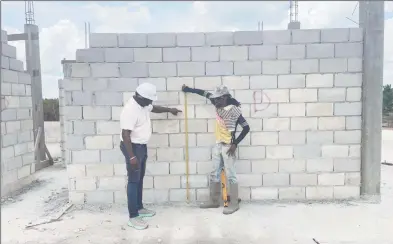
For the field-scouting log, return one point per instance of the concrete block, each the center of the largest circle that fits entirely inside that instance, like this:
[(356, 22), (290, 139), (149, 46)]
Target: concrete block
[(333, 65), (84, 127), (149, 55), (162, 69), (94, 170), (8, 114), (303, 179), (167, 182), (175, 83), (27, 124), (233, 53), (85, 184), (8, 50), (191, 69), (352, 179), (335, 35), (354, 94), (179, 168), (76, 171), (200, 154), (5, 89), (275, 67), (264, 193), (245, 96), (5, 62), (348, 80), (279, 152), (292, 137), (353, 123), (112, 156), (292, 193), (178, 140), (108, 99), (160, 83), (291, 109), (252, 152), (263, 81), (195, 181), (25, 102), (80, 98), (92, 55), (122, 84), (346, 192), (194, 126), (264, 166), (319, 165), (305, 66), (219, 68), (204, 168), (25, 136), (103, 40), (347, 165), (207, 83), (331, 179), (166, 126), (76, 197), (355, 34), (9, 76), (319, 193), (348, 50), (85, 156), (248, 37), (161, 40), (331, 123), (24, 172), (108, 127), (247, 68), (21, 148), (157, 169), (72, 84), (236, 82), (99, 197), (9, 140), (99, 142), (170, 154), (180, 195), (278, 179), (319, 109), (12, 126), (354, 151), (268, 52), (205, 54), (322, 50), (3, 36), (355, 64), (249, 180), (306, 36), (219, 38), (132, 40), (276, 124), (291, 51), (319, 80), (74, 142), (335, 151), (292, 165), (156, 195), (264, 138), (119, 55), (347, 137), (243, 166), (303, 95), (176, 54), (319, 137), (204, 111), (277, 37), (190, 39), (121, 170), (348, 108), (102, 70), (16, 65), (24, 78), (331, 94), (93, 84)]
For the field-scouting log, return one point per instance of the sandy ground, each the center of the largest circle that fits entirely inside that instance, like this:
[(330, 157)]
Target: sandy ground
[(278, 223)]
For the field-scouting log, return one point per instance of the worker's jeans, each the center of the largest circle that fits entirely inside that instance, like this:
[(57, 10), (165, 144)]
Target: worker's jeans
[(135, 177), (222, 160)]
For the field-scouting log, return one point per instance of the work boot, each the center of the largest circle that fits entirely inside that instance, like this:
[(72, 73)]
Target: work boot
[(233, 204), (215, 190)]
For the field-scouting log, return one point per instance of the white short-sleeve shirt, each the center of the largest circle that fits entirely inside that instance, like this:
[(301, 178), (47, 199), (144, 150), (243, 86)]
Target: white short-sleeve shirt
[(136, 118)]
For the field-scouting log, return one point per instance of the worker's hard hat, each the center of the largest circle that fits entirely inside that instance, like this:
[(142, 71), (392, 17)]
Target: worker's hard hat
[(148, 91)]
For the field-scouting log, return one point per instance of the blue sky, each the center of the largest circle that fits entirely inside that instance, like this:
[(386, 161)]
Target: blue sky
[(62, 23)]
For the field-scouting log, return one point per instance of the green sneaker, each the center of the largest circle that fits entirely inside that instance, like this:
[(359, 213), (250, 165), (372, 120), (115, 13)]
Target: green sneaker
[(137, 223), (146, 212)]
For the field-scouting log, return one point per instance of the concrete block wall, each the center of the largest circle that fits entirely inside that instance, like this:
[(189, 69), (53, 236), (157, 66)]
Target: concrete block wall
[(17, 146), (300, 91)]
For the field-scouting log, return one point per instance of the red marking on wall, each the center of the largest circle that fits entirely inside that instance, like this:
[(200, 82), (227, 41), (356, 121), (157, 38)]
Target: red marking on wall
[(261, 101)]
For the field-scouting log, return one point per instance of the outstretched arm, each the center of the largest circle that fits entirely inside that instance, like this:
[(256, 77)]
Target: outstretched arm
[(200, 92), (160, 109)]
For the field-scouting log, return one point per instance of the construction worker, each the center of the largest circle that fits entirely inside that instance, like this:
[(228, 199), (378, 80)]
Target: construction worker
[(135, 133), (228, 116)]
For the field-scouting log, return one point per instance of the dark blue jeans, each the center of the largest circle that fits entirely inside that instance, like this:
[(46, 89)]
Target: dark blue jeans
[(135, 177)]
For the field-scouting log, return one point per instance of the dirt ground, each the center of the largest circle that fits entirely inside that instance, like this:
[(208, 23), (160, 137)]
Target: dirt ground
[(300, 223)]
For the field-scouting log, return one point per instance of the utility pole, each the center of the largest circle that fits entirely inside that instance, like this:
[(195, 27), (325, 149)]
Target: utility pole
[(371, 19)]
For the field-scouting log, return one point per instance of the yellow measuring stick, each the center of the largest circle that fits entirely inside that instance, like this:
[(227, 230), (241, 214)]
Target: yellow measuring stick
[(186, 138)]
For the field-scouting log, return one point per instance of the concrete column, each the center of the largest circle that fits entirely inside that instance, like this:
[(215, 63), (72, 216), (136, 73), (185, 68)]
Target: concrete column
[(372, 22), (33, 64)]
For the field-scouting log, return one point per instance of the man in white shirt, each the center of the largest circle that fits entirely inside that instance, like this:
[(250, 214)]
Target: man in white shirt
[(136, 131)]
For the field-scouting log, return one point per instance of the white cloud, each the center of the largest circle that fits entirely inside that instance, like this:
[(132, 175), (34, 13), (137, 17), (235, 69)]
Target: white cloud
[(62, 24)]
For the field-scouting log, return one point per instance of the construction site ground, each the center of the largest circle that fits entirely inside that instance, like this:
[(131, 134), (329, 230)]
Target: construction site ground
[(271, 223)]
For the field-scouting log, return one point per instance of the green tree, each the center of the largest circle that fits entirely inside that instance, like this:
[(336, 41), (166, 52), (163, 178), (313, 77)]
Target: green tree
[(387, 106), (51, 109)]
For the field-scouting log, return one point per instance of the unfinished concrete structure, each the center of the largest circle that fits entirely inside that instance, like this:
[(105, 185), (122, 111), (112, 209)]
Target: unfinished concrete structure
[(301, 91), (17, 139)]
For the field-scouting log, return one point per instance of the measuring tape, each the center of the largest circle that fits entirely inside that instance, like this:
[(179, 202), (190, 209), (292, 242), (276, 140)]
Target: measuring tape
[(186, 152)]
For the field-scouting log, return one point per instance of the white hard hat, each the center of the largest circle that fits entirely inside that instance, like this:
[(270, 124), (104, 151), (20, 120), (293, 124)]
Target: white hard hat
[(148, 91)]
